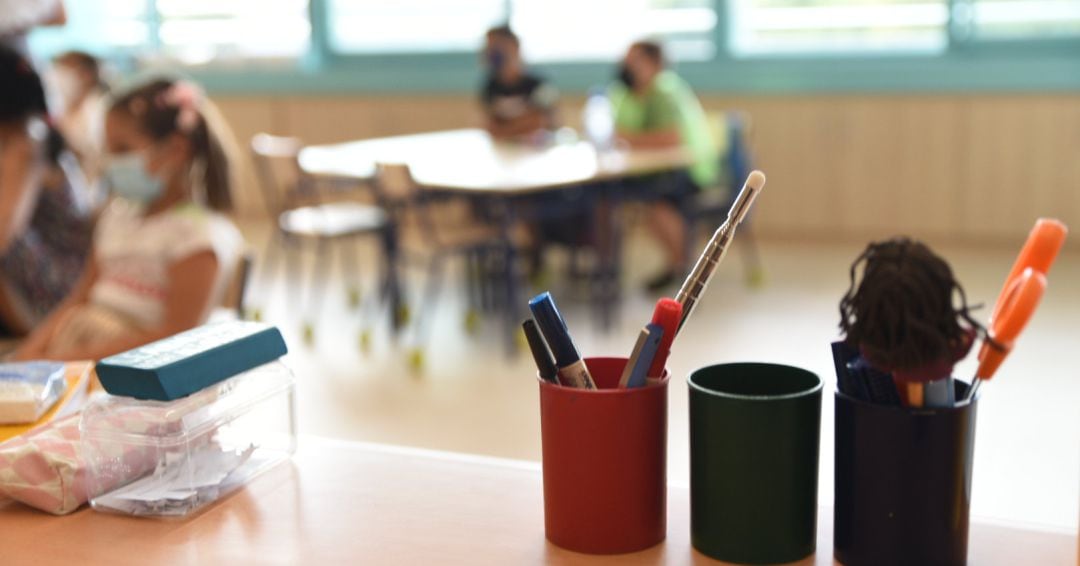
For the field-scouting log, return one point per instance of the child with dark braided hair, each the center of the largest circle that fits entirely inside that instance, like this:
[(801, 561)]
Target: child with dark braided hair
[(907, 315)]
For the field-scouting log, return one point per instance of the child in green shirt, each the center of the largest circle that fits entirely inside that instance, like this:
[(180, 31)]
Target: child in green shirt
[(655, 109)]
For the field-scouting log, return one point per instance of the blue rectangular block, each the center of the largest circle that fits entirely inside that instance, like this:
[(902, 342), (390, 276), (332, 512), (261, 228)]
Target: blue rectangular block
[(180, 365)]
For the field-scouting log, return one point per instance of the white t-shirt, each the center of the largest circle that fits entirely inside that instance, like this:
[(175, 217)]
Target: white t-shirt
[(133, 255)]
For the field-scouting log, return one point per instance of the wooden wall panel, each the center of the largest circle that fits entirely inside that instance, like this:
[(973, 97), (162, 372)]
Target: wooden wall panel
[(798, 147), (930, 137), (1021, 162), (324, 120)]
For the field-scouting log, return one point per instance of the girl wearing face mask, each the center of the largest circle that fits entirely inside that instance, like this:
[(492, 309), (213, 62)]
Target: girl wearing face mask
[(44, 227), (161, 248), (80, 94)]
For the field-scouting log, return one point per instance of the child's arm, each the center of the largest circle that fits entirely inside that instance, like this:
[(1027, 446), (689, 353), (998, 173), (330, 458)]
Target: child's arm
[(35, 344), (20, 183), (656, 139), (191, 282)]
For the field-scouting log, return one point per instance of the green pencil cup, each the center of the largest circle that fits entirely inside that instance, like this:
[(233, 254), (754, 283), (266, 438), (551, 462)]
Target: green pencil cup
[(755, 430)]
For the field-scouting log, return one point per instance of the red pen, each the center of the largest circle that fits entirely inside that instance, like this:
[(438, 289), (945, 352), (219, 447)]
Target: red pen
[(667, 314)]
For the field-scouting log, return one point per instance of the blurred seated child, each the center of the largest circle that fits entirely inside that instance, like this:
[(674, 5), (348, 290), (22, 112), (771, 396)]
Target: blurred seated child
[(654, 108), (82, 93), (45, 228), (161, 251), (516, 102)]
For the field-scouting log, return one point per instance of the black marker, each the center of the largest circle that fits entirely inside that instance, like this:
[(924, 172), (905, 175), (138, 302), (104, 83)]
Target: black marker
[(540, 353)]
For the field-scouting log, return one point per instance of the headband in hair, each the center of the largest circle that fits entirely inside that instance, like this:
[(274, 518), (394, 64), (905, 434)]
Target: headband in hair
[(186, 98)]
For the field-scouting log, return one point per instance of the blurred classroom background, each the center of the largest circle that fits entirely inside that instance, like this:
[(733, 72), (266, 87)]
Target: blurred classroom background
[(956, 122)]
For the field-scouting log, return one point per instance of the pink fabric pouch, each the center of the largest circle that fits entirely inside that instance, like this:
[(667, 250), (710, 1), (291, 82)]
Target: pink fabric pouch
[(45, 469)]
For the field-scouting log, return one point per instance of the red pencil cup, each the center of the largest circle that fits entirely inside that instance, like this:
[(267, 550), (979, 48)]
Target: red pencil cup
[(605, 462)]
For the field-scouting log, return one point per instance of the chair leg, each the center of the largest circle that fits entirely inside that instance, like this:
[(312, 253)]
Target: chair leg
[(267, 270), (243, 279), (294, 286), (573, 264), (348, 252), (512, 308), (473, 290), (357, 299), (610, 252), (486, 269), (387, 298), (317, 285), (427, 304), (474, 280), (391, 282)]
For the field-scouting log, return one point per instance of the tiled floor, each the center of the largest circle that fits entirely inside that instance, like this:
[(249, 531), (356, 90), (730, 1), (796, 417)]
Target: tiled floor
[(473, 398)]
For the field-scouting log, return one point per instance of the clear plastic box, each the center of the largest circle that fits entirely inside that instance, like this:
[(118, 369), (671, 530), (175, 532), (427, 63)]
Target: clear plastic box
[(169, 459)]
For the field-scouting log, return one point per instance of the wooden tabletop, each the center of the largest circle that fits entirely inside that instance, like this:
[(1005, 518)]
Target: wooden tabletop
[(469, 160), (351, 503)]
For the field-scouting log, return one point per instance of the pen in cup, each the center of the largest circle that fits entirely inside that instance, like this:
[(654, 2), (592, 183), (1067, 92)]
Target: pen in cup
[(544, 364), (641, 358), (572, 370)]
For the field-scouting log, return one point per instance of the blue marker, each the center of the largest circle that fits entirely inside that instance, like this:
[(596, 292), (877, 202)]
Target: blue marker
[(572, 370), (641, 358)]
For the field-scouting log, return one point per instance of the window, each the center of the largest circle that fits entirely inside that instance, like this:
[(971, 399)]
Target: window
[(196, 31), (550, 30), (123, 22), (1021, 19), (192, 31), (411, 26), (104, 26), (601, 30), (848, 26)]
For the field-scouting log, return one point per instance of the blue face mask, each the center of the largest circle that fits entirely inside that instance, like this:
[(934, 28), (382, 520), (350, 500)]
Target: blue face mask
[(496, 60), (126, 175)]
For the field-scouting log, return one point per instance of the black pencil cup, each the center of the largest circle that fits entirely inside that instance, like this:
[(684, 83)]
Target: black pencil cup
[(903, 483)]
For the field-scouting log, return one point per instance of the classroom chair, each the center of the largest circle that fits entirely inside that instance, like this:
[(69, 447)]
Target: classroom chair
[(707, 209), (430, 232), (232, 296), (302, 220), (592, 240)]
